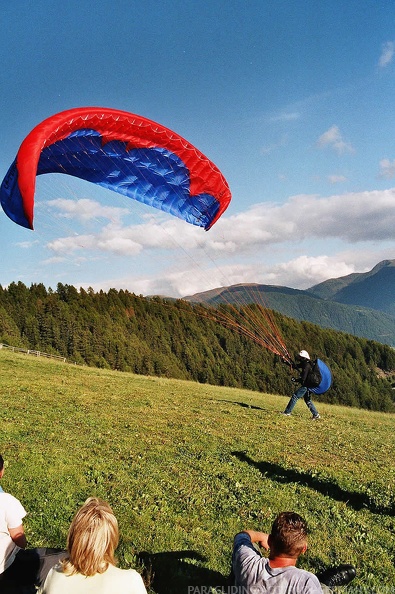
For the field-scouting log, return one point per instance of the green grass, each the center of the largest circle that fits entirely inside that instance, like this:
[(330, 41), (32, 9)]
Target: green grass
[(186, 466)]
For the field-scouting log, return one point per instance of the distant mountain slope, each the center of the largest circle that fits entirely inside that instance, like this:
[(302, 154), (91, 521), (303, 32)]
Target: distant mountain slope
[(374, 289), (303, 305)]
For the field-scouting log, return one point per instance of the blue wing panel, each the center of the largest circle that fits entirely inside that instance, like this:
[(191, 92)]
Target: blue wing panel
[(154, 176), (11, 199)]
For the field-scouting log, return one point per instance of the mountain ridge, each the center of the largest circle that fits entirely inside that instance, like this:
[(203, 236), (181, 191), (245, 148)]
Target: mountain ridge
[(373, 289), (362, 304)]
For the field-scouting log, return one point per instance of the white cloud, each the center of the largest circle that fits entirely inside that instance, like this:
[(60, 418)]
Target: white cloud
[(340, 216), (106, 241), (267, 244), (54, 260), (306, 271), (332, 138), (301, 273), (27, 245), (387, 168), (67, 245), (336, 179), (86, 209), (387, 53)]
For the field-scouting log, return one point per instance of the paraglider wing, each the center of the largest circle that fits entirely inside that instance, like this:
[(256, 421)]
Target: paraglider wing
[(326, 378), (123, 152)]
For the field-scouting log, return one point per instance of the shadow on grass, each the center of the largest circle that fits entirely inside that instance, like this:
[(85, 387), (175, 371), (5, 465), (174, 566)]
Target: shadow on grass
[(243, 404), (179, 572), (322, 485)]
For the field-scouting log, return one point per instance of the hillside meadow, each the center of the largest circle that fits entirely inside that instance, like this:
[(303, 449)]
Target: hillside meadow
[(185, 466), (121, 331)]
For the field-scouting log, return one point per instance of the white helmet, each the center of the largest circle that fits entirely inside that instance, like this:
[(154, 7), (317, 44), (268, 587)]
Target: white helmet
[(304, 354)]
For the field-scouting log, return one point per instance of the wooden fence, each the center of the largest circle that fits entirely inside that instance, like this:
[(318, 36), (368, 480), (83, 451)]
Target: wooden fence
[(31, 352)]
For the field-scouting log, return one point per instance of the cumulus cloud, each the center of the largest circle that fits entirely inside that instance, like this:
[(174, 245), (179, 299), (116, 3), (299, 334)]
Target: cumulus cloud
[(340, 216), (250, 246), (306, 271), (26, 245), (301, 273), (108, 240), (54, 260), (85, 209), (332, 138), (387, 53)]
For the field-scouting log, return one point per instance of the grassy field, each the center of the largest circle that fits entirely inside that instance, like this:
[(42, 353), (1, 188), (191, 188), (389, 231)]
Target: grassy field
[(186, 466)]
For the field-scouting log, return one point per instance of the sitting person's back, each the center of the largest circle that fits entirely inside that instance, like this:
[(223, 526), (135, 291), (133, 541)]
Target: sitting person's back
[(112, 581), (287, 540), (278, 574), (89, 567)]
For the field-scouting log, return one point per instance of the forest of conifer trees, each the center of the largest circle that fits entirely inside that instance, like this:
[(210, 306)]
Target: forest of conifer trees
[(152, 336)]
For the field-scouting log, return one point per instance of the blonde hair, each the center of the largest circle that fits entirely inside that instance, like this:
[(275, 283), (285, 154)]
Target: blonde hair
[(92, 539)]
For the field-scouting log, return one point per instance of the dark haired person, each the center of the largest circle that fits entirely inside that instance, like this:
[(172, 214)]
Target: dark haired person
[(277, 573), (20, 566), (304, 365)]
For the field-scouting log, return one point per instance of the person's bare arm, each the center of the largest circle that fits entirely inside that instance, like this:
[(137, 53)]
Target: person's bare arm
[(260, 537), (18, 536)]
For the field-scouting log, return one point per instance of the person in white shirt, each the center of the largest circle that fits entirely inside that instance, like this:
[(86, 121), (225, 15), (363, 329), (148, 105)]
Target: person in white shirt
[(89, 567), (20, 566), (12, 535)]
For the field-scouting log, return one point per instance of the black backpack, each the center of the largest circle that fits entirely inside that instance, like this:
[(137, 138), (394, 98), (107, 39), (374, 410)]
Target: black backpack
[(314, 376)]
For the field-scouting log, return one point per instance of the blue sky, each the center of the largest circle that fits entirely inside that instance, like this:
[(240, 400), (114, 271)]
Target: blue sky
[(292, 100)]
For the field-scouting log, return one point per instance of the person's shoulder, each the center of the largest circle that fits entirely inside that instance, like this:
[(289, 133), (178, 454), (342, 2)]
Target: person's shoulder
[(115, 569), (311, 581), (244, 547), (242, 538), (126, 573), (119, 570), (8, 499), (54, 578), (6, 495), (121, 579)]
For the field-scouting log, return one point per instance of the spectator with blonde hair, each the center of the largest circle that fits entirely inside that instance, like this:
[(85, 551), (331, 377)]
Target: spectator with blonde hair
[(89, 566)]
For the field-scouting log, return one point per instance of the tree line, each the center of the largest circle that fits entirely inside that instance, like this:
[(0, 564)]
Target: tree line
[(153, 336)]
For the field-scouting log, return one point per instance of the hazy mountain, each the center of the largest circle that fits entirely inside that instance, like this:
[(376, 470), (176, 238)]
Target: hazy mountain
[(317, 305)]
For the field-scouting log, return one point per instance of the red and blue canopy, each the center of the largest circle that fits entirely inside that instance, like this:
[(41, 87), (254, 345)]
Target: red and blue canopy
[(123, 152)]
